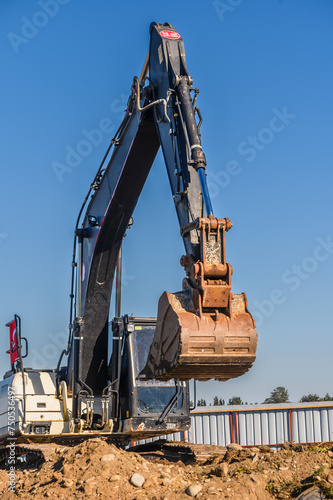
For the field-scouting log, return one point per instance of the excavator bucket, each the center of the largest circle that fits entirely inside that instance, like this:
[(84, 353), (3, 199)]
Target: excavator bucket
[(211, 346), (205, 331)]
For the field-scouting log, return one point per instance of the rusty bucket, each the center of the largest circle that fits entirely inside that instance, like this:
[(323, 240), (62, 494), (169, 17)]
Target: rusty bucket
[(189, 343)]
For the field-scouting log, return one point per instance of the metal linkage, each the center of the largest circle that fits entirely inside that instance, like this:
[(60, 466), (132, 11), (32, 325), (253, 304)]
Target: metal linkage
[(212, 275)]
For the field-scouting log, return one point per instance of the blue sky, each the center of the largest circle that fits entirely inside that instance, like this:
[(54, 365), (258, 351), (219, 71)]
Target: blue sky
[(264, 70)]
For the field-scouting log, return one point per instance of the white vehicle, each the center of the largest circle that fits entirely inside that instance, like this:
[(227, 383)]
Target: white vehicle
[(30, 406)]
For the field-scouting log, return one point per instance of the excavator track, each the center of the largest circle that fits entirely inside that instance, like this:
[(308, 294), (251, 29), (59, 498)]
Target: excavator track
[(175, 451), (20, 456)]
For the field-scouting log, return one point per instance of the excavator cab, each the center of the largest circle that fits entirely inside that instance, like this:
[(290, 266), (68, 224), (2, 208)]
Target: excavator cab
[(148, 407)]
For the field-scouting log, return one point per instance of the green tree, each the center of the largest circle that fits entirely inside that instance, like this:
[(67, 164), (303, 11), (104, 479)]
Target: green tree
[(278, 395), (235, 400), (202, 402), (313, 398), (310, 398), (218, 401)]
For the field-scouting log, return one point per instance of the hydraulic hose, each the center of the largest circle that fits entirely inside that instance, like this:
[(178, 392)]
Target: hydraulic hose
[(151, 104)]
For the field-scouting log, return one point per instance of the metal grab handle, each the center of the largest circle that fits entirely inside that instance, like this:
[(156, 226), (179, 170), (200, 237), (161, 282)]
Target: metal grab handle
[(26, 347)]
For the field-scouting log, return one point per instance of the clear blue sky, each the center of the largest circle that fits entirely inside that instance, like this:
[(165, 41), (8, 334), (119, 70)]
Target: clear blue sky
[(264, 69)]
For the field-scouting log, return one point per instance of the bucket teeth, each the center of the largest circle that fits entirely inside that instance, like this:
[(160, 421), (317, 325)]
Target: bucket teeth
[(202, 345)]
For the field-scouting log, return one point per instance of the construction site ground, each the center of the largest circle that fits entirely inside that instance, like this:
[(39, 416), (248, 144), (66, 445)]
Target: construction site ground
[(166, 471)]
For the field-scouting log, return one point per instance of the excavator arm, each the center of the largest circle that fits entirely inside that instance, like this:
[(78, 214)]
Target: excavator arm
[(115, 193), (203, 331)]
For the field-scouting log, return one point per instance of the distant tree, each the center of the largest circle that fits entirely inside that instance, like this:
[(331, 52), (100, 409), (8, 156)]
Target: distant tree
[(235, 400), (191, 404), (278, 395), (202, 402), (218, 401), (313, 398), (309, 398)]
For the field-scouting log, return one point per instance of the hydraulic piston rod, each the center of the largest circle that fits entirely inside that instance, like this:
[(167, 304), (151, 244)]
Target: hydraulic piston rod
[(198, 159), (205, 193)]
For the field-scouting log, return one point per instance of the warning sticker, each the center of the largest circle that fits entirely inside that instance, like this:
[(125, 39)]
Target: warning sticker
[(170, 34)]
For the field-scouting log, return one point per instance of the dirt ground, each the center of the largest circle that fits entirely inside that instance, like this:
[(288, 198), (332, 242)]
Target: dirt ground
[(97, 469)]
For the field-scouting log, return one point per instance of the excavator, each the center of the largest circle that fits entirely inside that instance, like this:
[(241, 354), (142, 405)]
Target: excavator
[(202, 332)]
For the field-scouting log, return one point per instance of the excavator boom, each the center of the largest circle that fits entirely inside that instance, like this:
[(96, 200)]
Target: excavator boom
[(203, 331)]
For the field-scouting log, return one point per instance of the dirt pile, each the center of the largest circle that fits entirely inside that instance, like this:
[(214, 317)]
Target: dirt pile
[(97, 469)]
